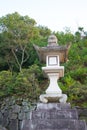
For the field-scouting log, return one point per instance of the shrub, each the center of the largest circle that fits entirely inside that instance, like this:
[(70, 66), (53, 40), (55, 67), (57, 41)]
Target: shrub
[(24, 84)]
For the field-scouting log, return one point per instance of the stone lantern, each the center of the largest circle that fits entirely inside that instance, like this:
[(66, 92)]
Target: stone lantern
[(53, 55)]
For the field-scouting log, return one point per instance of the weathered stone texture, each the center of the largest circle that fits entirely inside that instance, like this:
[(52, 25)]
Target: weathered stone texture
[(51, 116), (11, 113), (13, 124), (58, 114)]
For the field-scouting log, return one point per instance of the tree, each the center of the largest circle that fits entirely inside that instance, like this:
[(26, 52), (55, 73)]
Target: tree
[(16, 33), (64, 38)]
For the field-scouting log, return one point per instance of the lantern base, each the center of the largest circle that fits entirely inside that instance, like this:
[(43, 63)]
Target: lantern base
[(45, 98)]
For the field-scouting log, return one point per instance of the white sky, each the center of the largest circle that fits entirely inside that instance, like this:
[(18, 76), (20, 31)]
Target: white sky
[(55, 14)]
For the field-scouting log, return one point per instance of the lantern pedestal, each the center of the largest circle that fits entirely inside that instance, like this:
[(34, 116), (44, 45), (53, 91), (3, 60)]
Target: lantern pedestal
[(53, 92)]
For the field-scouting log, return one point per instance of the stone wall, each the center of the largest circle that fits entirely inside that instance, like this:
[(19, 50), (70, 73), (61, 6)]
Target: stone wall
[(82, 112), (13, 111)]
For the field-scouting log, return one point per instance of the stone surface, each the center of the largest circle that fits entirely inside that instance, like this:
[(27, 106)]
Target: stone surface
[(11, 114), (21, 116), (52, 40), (5, 121), (13, 125), (53, 92), (25, 108), (16, 108), (53, 106), (57, 114), (1, 118), (39, 111), (45, 98), (2, 128), (53, 48), (54, 73), (53, 124), (53, 55), (53, 116)]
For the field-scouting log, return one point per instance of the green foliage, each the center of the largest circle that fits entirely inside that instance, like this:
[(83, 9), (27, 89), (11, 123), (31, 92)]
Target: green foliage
[(27, 85), (24, 84), (78, 94), (18, 33), (69, 81), (6, 83), (64, 38), (74, 83)]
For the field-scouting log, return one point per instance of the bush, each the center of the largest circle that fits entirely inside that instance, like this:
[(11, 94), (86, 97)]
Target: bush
[(6, 83), (27, 84), (24, 84)]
